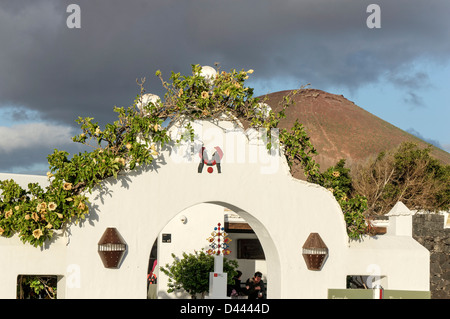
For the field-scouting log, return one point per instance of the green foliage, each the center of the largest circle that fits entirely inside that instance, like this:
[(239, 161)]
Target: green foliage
[(298, 148), (354, 209), (191, 273), (410, 159), (35, 213), (337, 179), (198, 97)]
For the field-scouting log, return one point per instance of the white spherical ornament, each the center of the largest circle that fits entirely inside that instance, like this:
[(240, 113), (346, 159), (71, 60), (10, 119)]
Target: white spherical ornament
[(209, 73), (146, 99)]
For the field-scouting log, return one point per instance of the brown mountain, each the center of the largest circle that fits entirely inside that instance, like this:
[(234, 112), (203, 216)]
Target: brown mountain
[(340, 129)]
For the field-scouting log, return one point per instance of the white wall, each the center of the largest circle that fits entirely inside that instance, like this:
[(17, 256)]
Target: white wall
[(403, 262), (400, 226), (256, 185), (24, 180), (19, 259)]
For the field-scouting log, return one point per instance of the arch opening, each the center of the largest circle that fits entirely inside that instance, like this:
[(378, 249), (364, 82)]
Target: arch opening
[(251, 245)]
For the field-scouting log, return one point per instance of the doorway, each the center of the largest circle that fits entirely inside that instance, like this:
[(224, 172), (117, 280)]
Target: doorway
[(188, 231)]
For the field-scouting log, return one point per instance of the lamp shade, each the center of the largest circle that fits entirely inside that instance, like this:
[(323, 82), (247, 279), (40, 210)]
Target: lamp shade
[(314, 252), (111, 248)]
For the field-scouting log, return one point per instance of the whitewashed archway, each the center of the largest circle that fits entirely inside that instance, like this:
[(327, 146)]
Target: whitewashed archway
[(282, 211), (188, 232)]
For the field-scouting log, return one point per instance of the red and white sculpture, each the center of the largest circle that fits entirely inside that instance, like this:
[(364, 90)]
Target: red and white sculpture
[(212, 161)]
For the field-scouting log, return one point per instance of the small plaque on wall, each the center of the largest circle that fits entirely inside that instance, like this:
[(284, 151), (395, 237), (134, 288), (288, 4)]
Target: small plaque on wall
[(250, 249), (166, 238)]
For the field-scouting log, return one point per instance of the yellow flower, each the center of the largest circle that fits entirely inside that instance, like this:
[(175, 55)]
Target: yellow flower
[(8, 213), (205, 95), (336, 174), (97, 131), (119, 160), (43, 206), (17, 207), (49, 226), (1, 231), (27, 217), (153, 148), (60, 215), (37, 233), (128, 146), (250, 71), (67, 186), (51, 206), (81, 206), (49, 175), (35, 217)]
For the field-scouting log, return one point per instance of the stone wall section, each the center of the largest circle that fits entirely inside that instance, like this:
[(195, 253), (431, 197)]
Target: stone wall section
[(429, 231)]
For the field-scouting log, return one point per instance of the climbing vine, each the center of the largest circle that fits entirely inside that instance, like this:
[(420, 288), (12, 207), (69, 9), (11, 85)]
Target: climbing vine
[(35, 213), (337, 179)]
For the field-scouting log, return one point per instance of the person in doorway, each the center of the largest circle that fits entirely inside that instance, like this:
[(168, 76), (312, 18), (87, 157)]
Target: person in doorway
[(255, 287), (235, 289)]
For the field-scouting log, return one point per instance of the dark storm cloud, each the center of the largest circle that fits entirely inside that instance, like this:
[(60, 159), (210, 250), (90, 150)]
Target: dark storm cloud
[(68, 72), (64, 73)]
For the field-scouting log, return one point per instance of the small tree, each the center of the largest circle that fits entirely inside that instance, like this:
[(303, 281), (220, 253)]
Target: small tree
[(191, 273), (408, 174)]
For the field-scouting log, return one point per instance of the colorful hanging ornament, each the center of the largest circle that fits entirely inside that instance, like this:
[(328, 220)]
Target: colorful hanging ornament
[(219, 242)]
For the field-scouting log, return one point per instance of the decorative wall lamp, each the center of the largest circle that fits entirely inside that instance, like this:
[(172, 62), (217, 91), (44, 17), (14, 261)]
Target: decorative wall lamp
[(111, 248), (314, 252)]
